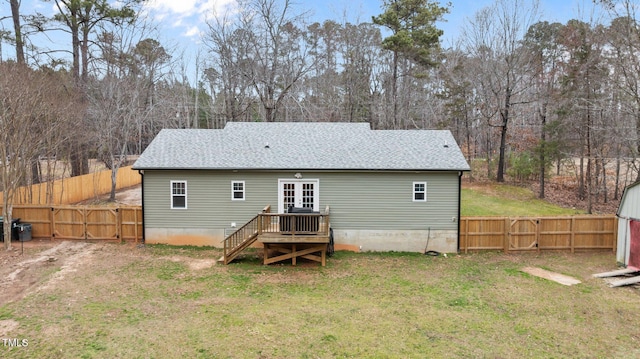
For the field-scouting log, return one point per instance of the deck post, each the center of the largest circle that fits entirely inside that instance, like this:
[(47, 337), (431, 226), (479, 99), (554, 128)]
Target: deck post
[(293, 254), (265, 253), (260, 219)]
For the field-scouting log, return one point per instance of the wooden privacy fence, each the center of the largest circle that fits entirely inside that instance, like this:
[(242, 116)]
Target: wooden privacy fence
[(573, 233), (75, 189), (123, 223)]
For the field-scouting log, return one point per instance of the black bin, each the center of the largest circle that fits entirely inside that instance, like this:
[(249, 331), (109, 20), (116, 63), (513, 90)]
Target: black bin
[(14, 229), (24, 232)]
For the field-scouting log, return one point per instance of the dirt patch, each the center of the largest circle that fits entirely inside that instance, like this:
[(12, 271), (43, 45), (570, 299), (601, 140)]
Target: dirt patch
[(40, 267), (286, 277), (131, 196), (6, 326), (193, 263)]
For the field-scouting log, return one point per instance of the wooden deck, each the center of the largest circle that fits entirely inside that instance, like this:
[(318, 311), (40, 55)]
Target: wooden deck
[(284, 236), (280, 247)]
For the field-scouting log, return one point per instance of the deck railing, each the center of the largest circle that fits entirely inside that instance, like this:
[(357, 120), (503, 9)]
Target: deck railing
[(295, 223), (284, 223)]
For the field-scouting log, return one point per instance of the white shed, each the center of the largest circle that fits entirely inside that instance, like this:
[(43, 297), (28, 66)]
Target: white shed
[(628, 252)]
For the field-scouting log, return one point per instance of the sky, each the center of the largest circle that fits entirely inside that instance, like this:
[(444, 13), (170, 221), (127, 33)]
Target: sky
[(180, 23), (186, 17)]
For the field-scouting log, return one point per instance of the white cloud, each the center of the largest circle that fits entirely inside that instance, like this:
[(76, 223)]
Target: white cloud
[(182, 7), (193, 31), (188, 8), (187, 14)]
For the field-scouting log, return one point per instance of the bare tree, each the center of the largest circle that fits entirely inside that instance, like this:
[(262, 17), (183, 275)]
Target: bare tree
[(624, 36), (30, 116), (541, 42), (361, 54), (274, 50), (493, 36), (115, 106), (17, 30)]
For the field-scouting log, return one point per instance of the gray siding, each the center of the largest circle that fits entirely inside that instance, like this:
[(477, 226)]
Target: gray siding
[(372, 200), (384, 201)]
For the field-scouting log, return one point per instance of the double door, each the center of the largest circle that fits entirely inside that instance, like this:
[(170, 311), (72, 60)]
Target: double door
[(298, 193)]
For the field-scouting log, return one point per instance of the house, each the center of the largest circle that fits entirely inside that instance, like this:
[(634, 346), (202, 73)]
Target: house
[(628, 251), (387, 190)]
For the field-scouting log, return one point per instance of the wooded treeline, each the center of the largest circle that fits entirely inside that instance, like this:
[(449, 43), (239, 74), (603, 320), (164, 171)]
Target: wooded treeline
[(520, 94)]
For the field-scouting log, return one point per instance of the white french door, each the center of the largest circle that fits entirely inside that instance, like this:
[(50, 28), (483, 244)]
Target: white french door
[(298, 193)]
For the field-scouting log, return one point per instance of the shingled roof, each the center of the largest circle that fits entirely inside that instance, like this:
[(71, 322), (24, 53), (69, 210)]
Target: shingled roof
[(303, 146)]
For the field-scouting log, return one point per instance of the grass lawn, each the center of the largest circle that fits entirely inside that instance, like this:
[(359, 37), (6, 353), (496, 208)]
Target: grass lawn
[(506, 200), (152, 302)]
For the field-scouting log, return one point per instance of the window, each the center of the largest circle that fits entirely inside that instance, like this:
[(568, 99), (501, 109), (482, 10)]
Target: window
[(178, 194), (237, 190), (419, 191)]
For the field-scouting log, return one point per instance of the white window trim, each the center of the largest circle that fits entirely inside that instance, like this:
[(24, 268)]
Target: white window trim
[(173, 195), (233, 191), (414, 192)]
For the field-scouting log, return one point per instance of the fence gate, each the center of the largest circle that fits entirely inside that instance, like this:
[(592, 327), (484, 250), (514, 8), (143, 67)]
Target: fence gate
[(68, 223), (524, 234), (102, 223), (85, 223)]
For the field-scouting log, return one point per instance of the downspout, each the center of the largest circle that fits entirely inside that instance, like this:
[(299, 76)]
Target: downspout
[(459, 202), (144, 230)]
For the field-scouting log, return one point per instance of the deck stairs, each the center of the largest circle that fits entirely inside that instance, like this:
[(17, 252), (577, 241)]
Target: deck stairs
[(243, 237), (265, 223)]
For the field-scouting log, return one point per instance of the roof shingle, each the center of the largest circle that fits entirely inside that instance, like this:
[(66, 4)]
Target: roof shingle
[(303, 146)]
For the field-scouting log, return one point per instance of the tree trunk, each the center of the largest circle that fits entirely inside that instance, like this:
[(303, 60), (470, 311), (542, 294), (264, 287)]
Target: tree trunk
[(589, 169), (114, 175), (589, 183), (503, 135), (488, 157), (617, 186), (394, 90), (84, 51), (75, 47), (15, 15), (543, 139), (581, 190), (605, 191), (7, 211)]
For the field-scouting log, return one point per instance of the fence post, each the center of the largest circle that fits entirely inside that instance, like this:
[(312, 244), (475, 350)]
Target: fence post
[(135, 227), (85, 219), (119, 224), (538, 234), (466, 234), (507, 226), (573, 234), (52, 224)]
